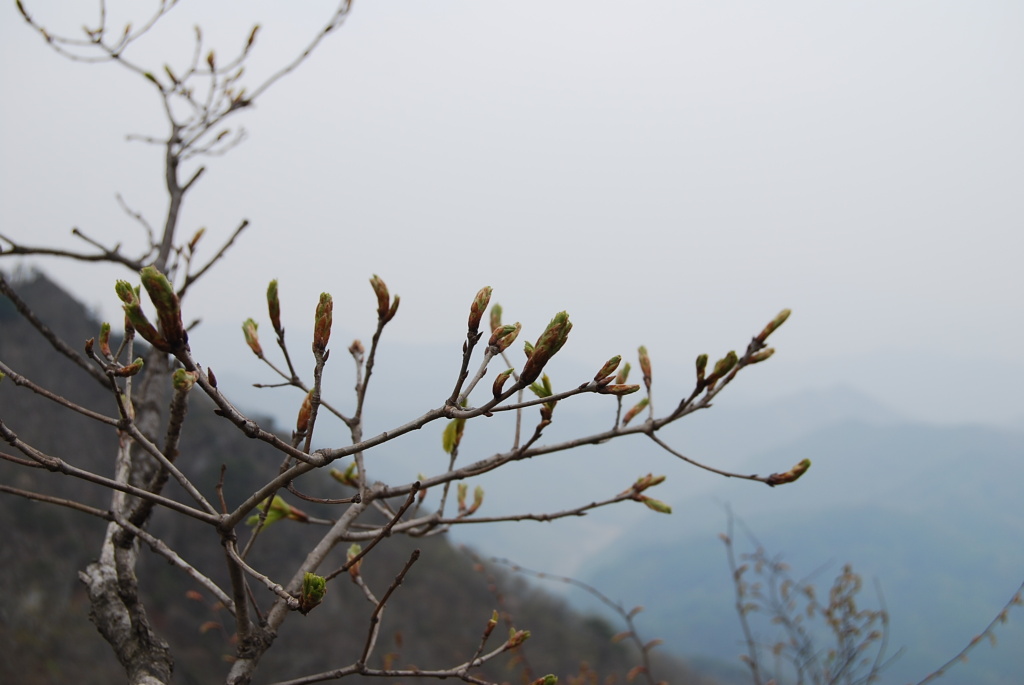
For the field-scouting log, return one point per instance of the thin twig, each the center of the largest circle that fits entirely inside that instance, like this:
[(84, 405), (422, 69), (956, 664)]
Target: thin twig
[(374, 631), (271, 585), (59, 465), (1016, 600), (47, 333), (383, 533), (18, 379)]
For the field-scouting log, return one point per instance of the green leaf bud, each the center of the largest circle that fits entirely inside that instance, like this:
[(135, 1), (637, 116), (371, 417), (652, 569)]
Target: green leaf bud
[(131, 369), (543, 388), (656, 505), (517, 637), (648, 481), (508, 335), (314, 588), (167, 304), (252, 338), (608, 368), (723, 366), (702, 364), (354, 550), (279, 509), (623, 374), (779, 319), (348, 476), (478, 499), (274, 307), (125, 292), (183, 380), (452, 435), (495, 316), (491, 623), (499, 332), (761, 356), (548, 344), (637, 408)]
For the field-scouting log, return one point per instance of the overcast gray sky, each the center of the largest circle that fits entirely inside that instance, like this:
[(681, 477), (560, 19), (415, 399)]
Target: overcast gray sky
[(671, 173)]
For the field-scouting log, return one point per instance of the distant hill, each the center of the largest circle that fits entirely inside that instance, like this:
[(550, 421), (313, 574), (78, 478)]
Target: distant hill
[(934, 514)]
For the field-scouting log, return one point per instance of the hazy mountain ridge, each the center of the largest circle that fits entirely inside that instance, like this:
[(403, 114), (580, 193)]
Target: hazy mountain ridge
[(933, 513)]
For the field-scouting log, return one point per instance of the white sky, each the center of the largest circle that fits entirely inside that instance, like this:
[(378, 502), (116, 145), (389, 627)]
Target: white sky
[(671, 173)]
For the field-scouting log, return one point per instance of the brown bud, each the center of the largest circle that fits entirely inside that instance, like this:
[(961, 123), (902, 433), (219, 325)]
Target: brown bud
[(274, 307), (618, 389), (645, 366), (131, 369), (383, 297), (394, 308), (199, 234), (477, 309), (323, 323), (637, 408), (305, 412), (499, 382), (105, 340), (506, 335), (789, 476)]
